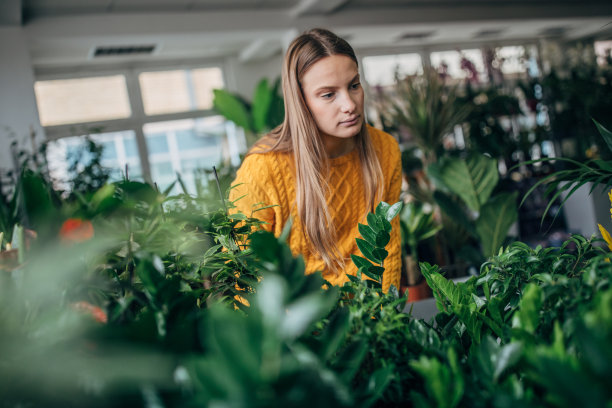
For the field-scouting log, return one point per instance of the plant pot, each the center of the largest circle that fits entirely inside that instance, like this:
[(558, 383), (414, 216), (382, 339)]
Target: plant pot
[(9, 259), (417, 292)]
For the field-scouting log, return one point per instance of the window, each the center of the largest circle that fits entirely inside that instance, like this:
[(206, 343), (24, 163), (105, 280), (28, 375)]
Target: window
[(186, 147), (188, 139), (381, 70), (603, 50), (179, 91), (460, 64), (120, 150), (81, 100)]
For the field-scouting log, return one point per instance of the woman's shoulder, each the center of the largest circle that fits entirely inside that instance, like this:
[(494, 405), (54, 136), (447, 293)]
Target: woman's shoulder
[(383, 141)]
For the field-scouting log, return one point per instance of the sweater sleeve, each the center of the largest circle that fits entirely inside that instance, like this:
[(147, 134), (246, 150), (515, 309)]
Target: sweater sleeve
[(248, 192), (393, 263)]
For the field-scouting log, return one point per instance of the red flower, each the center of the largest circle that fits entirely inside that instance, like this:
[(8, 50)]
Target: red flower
[(76, 230), (96, 312)]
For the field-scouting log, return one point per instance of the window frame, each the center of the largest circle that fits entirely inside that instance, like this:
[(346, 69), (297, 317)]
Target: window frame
[(138, 118)]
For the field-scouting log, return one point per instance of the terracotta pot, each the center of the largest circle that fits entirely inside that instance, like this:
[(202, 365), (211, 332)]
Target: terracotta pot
[(417, 292), (8, 259)]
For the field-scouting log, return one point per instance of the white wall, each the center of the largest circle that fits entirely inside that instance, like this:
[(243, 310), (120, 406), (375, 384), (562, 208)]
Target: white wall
[(243, 77), (583, 211), (18, 112)]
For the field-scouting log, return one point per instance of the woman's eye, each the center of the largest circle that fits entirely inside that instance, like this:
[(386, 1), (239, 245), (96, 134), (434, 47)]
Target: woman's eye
[(327, 95), (356, 85)]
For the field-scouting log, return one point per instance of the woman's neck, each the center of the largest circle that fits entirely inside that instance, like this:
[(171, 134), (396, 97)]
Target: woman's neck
[(337, 146)]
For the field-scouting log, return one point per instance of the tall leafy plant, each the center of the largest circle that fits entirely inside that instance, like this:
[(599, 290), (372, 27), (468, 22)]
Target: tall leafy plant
[(428, 108), (263, 113), (485, 217)]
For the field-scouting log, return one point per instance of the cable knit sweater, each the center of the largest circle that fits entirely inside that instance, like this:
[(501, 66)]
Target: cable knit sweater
[(269, 178)]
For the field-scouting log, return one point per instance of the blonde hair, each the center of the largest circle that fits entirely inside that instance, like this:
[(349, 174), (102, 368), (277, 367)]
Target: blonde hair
[(300, 135)]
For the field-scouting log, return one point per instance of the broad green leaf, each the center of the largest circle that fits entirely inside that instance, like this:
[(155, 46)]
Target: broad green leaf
[(367, 250), (233, 108), (454, 211), (301, 314), (360, 262), (447, 288), (369, 274), (376, 270), (528, 315), (375, 222), (506, 357), (381, 209), (261, 105), (472, 179), (394, 210), (367, 233), (496, 218), (380, 253), (382, 239)]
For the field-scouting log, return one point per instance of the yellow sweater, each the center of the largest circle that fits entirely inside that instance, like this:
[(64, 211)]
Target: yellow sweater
[(269, 178)]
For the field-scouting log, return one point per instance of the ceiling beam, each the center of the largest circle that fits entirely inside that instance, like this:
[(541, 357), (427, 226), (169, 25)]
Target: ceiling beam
[(257, 50), (316, 6)]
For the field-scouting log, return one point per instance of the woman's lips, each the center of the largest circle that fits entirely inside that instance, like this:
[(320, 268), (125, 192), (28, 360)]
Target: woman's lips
[(350, 122)]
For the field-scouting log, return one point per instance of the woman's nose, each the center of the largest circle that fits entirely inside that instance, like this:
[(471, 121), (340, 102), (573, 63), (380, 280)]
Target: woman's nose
[(348, 104)]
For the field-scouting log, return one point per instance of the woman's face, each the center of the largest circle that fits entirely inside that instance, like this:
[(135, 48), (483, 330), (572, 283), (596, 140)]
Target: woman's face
[(334, 95)]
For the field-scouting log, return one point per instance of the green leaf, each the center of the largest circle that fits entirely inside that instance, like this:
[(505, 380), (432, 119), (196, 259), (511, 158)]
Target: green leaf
[(376, 270), (367, 233), (381, 209), (382, 239), (454, 211), (507, 356), (375, 222), (360, 262), (335, 333), (380, 253), (394, 210), (472, 179), (233, 108), (370, 275), (367, 250), (377, 384), (528, 315), (494, 222), (261, 105), (605, 133)]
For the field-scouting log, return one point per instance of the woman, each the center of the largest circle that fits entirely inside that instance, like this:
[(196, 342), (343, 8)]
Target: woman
[(323, 167)]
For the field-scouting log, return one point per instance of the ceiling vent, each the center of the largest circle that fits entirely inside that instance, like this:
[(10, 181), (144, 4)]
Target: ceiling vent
[(489, 33), (123, 50), (554, 31), (415, 36)]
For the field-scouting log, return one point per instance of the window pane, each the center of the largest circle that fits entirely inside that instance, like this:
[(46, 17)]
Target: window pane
[(381, 70), (179, 90), (603, 50), (456, 64), (185, 147), (81, 100), (62, 153), (512, 60)]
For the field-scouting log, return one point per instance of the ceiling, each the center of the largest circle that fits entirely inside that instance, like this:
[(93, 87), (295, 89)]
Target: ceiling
[(67, 32)]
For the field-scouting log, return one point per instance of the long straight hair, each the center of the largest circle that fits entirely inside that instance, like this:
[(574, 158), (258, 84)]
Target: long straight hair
[(300, 135)]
